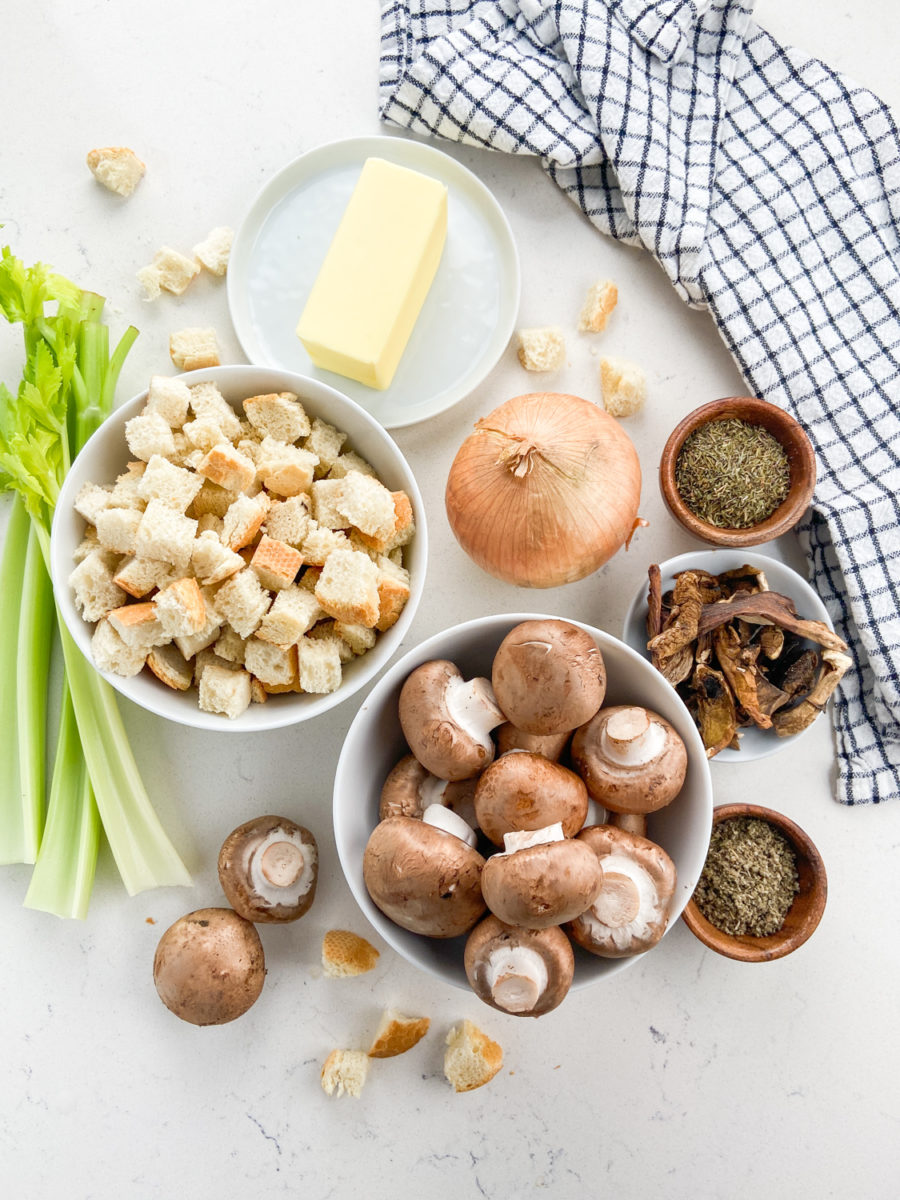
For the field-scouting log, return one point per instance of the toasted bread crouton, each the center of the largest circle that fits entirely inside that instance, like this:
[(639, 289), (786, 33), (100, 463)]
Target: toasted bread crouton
[(139, 576), (125, 493), (170, 666), (325, 442), (288, 520), (601, 299), (169, 398), (284, 469), (243, 602), (230, 645), (243, 520), (274, 666), (345, 953), (278, 415), (118, 168), (192, 644), (162, 480), (367, 505), (92, 581), (542, 349), (211, 499), (213, 252), (212, 562), (227, 467), (258, 693), (208, 401), (348, 587), (149, 434), (624, 387), (91, 501), (111, 653), (181, 608), (396, 1034), (117, 529), (401, 531), (224, 690), (345, 1071), (194, 348), (138, 625), (204, 432), (276, 563), (325, 495), (393, 594), (318, 666), (294, 611), (166, 535), (170, 271), (349, 460), (471, 1059), (359, 638), (320, 542), (324, 631)]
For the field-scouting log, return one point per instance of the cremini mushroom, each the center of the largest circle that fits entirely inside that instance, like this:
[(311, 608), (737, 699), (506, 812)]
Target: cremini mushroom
[(425, 876), (209, 966), (551, 745), (268, 869), (526, 972), (541, 878), (447, 720), (631, 759), (548, 676), (521, 790), (410, 788), (631, 912)]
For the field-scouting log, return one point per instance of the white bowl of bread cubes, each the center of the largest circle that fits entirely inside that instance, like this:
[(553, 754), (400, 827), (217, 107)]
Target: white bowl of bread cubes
[(239, 548), (375, 748)]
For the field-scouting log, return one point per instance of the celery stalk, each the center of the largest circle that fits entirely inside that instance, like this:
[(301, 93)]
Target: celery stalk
[(64, 874), (17, 841)]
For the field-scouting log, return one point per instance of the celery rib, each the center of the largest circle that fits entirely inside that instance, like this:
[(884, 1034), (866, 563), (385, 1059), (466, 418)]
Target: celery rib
[(15, 844)]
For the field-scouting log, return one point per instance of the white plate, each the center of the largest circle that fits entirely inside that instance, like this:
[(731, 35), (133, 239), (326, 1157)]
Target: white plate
[(755, 743), (468, 315)]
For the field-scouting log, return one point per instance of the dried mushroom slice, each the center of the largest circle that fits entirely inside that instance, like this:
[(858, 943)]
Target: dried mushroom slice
[(716, 716), (768, 608), (771, 641), (791, 720), (687, 606), (738, 663)]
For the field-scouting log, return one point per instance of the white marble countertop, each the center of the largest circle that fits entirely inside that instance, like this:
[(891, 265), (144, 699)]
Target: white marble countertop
[(688, 1075)]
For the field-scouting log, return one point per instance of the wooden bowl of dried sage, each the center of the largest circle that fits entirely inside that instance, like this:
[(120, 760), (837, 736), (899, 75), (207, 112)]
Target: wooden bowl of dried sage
[(737, 472), (763, 887)]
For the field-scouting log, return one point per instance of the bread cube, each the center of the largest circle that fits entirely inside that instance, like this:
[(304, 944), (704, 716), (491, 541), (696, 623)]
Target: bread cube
[(227, 467), (192, 644), (224, 690), (347, 461), (211, 499), (624, 387), (213, 252), (94, 587), (169, 398), (278, 415), (348, 587), (326, 631), (367, 505), (542, 349), (117, 529), (111, 653), (170, 271), (276, 563), (325, 442), (162, 480), (170, 666), (118, 168), (231, 646), (212, 562), (86, 546), (601, 299), (181, 608), (288, 520), (318, 666), (325, 495), (393, 593), (275, 666), (243, 602), (284, 469), (191, 349), (149, 434), (320, 542), (138, 625), (208, 401), (399, 534), (91, 501), (294, 611), (359, 638), (243, 520), (126, 492), (166, 535), (139, 576)]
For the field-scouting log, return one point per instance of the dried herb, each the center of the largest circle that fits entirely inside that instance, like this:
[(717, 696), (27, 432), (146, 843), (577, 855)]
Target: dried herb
[(732, 474), (749, 880)]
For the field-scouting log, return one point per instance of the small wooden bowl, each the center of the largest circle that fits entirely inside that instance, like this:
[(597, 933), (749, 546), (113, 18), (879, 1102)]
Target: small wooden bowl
[(804, 914), (782, 426)]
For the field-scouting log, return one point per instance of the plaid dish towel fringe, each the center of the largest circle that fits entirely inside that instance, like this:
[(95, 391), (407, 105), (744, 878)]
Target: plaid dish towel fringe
[(768, 188)]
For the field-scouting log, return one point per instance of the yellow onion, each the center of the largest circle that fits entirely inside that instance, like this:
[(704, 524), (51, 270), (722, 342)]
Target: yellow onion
[(545, 490)]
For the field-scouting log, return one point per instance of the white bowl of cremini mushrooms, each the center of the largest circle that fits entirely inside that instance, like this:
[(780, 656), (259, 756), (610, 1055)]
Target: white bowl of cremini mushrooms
[(506, 839)]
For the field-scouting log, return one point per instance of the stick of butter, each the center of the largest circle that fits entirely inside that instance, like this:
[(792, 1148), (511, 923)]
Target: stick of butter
[(377, 272)]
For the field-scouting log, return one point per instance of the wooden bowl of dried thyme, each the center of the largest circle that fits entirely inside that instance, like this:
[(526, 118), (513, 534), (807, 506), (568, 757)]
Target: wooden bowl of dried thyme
[(763, 887), (737, 472)]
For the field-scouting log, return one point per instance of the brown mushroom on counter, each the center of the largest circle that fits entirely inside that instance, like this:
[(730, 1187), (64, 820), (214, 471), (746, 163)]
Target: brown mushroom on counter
[(526, 972), (521, 790), (631, 758), (409, 789), (541, 878), (551, 745), (268, 869), (424, 878), (447, 720), (631, 912), (209, 967), (548, 676)]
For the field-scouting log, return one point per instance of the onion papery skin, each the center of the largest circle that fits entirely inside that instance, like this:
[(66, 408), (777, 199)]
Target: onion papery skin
[(544, 491)]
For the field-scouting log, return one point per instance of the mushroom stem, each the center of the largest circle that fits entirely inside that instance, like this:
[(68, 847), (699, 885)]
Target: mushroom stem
[(517, 978), (523, 838), (631, 739), (472, 705), (450, 822), (282, 863), (619, 901), (629, 822)]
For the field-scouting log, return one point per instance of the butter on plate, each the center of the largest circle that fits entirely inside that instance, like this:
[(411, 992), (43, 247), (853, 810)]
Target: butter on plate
[(371, 287)]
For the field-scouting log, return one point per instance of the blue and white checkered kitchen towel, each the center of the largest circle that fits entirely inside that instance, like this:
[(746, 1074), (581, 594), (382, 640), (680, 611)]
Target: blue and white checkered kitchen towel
[(768, 188)]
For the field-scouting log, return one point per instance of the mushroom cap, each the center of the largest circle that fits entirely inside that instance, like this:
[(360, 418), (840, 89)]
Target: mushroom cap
[(400, 795), (268, 869), (438, 741), (548, 676), (209, 966), (542, 885), (551, 745), (424, 879), (620, 787), (631, 912), (522, 790), (550, 944)]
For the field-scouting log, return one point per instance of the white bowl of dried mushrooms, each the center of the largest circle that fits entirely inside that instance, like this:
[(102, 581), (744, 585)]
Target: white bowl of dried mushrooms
[(745, 641)]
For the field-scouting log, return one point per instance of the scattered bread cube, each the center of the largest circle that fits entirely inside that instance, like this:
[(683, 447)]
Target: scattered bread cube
[(345, 953), (278, 415), (349, 460), (393, 593), (276, 563), (192, 644), (138, 625), (212, 562), (181, 608), (396, 1034), (170, 666), (213, 252), (166, 535), (601, 299), (94, 587), (359, 638), (140, 576), (243, 520), (211, 499), (348, 587), (294, 612), (541, 349), (111, 653), (227, 467), (325, 441), (191, 349), (275, 666), (320, 542), (285, 469), (118, 168), (148, 434), (169, 398), (367, 505), (243, 602), (174, 486), (92, 500), (224, 690), (345, 1071), (231, 646), (471, 1059), (400, 531), (624, 387), (117, 529), (208, 401), (318, 666), (170, 271)]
